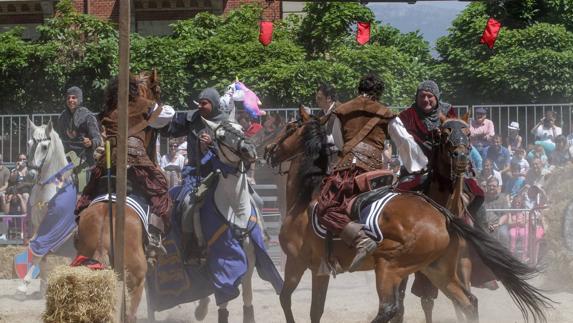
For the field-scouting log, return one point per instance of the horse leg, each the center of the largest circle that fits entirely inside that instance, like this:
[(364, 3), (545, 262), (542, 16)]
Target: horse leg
[(202, 309), (319, 289), (247, 286), (135, 263), (388, 287), (465, 268), (135, 286), (399, 317), (223, 314), (293, 273)]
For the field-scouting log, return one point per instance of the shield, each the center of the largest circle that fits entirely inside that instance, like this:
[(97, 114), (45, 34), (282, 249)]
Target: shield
[(23, 262)]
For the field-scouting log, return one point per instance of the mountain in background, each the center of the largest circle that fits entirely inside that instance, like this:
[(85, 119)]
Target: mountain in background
[(431, 19)]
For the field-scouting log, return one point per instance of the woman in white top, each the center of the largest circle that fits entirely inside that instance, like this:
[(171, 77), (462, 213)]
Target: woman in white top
[(172, 163)]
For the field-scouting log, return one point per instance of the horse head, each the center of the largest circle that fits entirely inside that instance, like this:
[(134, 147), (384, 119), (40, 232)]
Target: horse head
[(454, 147), (302, 136), (148, 85), (45, 151), (232, 144)]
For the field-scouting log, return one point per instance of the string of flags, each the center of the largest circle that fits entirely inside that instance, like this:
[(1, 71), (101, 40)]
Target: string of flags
[(488, 37)]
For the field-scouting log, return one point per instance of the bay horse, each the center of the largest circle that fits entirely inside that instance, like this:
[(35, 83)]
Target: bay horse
[(419, 235), (93, 240), (52, 200)]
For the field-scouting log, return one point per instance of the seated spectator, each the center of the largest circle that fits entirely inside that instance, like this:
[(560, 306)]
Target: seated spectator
[(481, 130), (515, 182), (514, 140), (561, 156), (172, 164), (488, 172), (537, 153), (4, 177), (271, 127), (536, 174), (495, 200), (498, 154), (250, 127), (546, 130), (519, 158)]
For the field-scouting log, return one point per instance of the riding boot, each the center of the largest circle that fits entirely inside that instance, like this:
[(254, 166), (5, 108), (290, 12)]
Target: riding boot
[(223, 315), (353, 235)]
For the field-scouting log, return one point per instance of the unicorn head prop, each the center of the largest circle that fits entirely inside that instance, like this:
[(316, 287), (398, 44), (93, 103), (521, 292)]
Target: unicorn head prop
[(237, 91)]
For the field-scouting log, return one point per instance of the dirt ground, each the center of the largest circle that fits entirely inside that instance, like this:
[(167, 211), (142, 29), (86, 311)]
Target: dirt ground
[(351, 298)]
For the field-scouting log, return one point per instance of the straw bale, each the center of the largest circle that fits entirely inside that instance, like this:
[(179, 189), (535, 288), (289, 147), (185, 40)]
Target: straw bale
[(558, 262), (79, 294)]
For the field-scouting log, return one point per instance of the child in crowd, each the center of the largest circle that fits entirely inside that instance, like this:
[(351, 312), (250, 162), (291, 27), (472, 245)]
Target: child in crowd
[(519, 158)]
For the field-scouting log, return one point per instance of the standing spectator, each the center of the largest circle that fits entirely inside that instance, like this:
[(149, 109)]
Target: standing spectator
[(15, 201), (498, 154), (495, 200), (481, 130), (172, 164), (546, 130), (514, 140), (561, 156), (489, 172), (4, 177), (536, 175), (19, 174), (79, 130)]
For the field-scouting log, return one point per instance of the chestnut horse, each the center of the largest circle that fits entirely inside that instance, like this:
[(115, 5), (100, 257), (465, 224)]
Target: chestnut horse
[(93, 225), (419, 235)]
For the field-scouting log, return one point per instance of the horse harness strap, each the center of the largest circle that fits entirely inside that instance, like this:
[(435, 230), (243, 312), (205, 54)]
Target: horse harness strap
[(145, 123), (225, 226)]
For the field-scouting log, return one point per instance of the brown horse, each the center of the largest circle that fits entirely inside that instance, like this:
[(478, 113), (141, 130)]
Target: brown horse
[(93, 227), (419, 235)]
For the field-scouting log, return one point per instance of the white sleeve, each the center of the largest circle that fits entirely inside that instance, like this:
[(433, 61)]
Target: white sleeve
[(411, 155), (164, 117), (337, 137)]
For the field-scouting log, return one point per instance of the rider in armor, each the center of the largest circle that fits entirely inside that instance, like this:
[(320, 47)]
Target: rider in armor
[(144, 116), (78, 128), (200, 152), (359, 131)]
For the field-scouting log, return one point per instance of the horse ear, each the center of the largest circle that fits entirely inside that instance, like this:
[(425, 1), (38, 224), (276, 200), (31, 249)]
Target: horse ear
[(31, 124), (49, 128), (304, 115), (210, 124), (466, 117), (154, 77)]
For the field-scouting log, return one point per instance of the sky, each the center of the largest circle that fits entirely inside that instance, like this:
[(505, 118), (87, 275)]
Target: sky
[(432, 18)]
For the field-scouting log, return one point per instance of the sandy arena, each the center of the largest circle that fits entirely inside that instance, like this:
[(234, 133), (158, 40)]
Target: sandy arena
[(351, 298)]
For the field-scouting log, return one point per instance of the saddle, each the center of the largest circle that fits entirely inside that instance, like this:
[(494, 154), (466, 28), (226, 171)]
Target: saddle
[(367, 183)]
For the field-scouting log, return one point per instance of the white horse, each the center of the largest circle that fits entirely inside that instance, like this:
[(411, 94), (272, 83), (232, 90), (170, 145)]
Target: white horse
[(233, 201), (46, 157)]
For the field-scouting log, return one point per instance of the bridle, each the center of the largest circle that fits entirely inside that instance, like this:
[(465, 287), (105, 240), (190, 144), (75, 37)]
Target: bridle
[(456, 138), (289, 131), (241, 139), (35, 144)]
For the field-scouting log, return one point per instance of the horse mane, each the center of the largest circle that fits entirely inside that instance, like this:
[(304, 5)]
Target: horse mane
[(313, 165), (112, 88), (455, 120)]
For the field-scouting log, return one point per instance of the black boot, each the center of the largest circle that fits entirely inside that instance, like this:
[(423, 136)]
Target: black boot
[(223, 315), (248, 314), (353, 235)]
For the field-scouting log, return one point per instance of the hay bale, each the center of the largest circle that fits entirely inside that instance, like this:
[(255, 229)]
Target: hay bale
[(79, 294), (7, 254)]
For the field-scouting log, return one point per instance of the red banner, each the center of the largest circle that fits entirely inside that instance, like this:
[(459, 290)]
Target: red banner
[(490, 33), (363, 33), (266, 32)]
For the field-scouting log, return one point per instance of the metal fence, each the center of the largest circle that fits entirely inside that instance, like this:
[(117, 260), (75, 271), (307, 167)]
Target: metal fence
[(13, 128)]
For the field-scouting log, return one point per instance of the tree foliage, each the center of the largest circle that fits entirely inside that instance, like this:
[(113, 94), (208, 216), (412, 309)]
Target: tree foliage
[(211, 50), (532, 60)]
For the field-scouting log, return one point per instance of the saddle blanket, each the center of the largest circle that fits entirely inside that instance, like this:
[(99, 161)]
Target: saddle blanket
[(136, 203), (369, 216)]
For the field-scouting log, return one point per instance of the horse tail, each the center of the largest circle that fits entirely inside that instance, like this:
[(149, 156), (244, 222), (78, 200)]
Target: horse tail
[(506, 268)]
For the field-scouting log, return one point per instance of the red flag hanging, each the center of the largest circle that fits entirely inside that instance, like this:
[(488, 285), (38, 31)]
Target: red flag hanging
[(363, 33), (490, 33), (266, 32)]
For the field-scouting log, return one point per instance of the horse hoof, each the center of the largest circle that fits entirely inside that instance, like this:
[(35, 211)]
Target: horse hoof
[(223, 315), (248, 314), (202, 308)]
